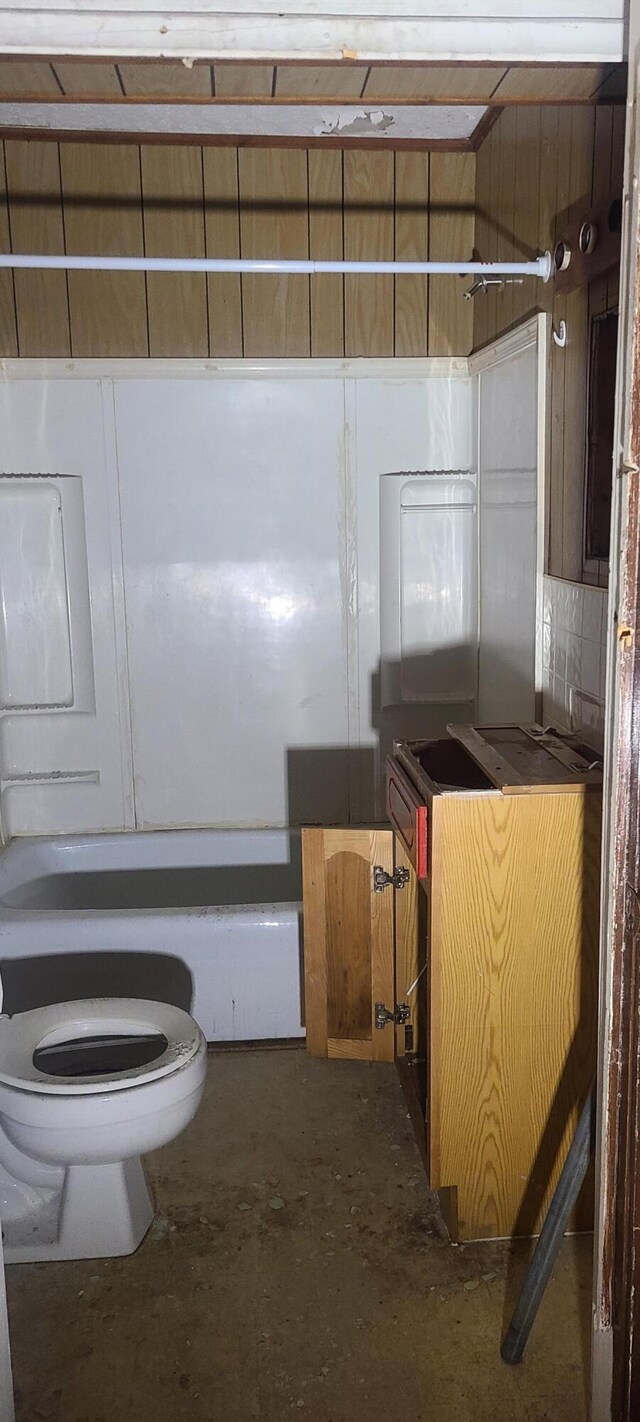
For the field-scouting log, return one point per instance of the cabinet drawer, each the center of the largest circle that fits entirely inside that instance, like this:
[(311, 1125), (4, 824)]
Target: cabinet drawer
[(408, 815)]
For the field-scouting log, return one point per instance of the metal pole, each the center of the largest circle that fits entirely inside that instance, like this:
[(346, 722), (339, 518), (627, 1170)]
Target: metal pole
[(552, 1233), (540, 267)]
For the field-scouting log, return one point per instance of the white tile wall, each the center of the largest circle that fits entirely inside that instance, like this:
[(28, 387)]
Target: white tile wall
[(574, 657)]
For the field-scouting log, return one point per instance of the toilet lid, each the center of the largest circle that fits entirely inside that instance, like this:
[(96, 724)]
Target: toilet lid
[(96, 1018)]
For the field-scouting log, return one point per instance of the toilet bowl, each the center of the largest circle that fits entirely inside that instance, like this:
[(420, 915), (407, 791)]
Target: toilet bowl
[(86, 1088)]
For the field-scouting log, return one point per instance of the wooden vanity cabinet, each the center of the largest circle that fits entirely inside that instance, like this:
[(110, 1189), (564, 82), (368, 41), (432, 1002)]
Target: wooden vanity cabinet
[(502, 933)]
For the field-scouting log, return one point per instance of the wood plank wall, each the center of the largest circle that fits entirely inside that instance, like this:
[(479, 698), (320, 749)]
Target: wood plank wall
[(534, 166), (221, 201)]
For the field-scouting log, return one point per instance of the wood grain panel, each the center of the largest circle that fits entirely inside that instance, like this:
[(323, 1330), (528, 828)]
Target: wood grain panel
[(102, 206), (482, 227), (545, 83), (368, 234), (348, 938), (173, 208), (349, 1050), (274, 218), (515, 924), (229, 203), (505, 212), (315, 955), (526, 246), (8, 329), (618, 120), (243, 81), (559, 357), (443, 82), (166, 80), (490, 298), (35, 207), (412, 245), (547, 187), (88, 80), (222, 239), (451, 235), (577, 357), (326, 244), (320, 81), (21, 80), (348, 942), (546, 235), (602, 151), (616, 181)]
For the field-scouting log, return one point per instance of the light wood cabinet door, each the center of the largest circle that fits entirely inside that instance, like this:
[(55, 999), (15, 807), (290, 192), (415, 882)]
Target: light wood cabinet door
[(349, 957)]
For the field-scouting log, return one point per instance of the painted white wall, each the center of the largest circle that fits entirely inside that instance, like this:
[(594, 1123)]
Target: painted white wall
[(526, 30)]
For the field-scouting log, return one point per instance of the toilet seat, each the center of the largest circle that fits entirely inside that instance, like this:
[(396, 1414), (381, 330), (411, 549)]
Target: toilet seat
[(21, 1035)]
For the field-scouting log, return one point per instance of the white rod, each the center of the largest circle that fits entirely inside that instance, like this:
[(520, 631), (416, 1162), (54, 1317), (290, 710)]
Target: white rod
[(540, 267)]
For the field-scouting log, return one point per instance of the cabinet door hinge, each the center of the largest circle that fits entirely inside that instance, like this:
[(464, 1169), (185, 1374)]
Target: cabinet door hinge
[(382, 880), (400, 1014)]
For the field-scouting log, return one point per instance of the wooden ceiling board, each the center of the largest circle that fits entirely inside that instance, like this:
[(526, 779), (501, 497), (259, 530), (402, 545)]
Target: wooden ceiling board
[(243, 81), (460, 81), (528, 83), (546, 83), (80, 80), (18, 79), (174, 79), (320, 81)]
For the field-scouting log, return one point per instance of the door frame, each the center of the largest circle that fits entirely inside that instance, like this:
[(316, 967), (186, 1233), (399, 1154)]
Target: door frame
[(615, 1390)]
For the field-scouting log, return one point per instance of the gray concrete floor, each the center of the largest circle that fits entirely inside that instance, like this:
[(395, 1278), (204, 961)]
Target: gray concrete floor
[(296, 1268)]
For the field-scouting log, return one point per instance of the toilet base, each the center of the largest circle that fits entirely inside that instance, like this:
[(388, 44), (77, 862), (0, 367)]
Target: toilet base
[(100, 1212)]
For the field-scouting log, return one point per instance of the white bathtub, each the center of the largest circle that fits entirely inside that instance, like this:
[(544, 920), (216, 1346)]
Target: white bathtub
[(207, 919)]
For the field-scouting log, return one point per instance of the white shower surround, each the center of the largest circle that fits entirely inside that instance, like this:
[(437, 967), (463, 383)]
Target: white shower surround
[(347, 424), (232, 567)]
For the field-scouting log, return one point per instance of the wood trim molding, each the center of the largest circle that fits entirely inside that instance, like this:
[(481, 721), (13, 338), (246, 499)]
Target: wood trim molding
[(239, 140), (237, 368), (485, 125)]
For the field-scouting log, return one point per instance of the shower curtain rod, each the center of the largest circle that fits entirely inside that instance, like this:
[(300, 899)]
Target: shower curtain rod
[(541, 266)]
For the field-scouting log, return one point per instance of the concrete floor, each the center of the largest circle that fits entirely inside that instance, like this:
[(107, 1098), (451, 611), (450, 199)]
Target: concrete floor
[(296, 1268)]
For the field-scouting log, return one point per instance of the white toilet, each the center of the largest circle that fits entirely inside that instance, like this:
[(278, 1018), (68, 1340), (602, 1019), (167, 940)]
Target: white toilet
[(85, 1089)]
